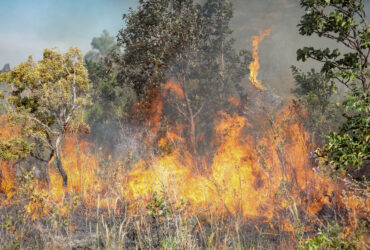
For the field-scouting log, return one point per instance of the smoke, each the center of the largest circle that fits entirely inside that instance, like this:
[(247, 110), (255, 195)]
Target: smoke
[(277, 52)]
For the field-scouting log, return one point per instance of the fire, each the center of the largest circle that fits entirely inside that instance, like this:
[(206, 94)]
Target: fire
[(81, 167), (256, 172), (7, 175), (171, 85), (80, 163), (6, 180), (248, 177), (254, 66)]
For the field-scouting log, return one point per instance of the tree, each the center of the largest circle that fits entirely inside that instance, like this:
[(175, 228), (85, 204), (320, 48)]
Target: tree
[(147, 45), (343, 21), (46, 101), (348, 150), (190, 45), (314, 91), (220, 66), (208, 71), (159, 42), (101, 47), (111, 99)]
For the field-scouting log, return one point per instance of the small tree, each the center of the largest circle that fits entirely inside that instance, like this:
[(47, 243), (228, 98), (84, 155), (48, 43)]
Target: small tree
[(46, 100), (343, 21), (111, 99), (314, 91)]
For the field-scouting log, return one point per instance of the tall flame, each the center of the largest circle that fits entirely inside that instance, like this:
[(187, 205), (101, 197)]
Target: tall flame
[(247, 177), (254, 66), (255, 172)]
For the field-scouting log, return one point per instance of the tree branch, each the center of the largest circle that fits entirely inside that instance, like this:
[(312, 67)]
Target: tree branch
[(43, 125), (199, 110)]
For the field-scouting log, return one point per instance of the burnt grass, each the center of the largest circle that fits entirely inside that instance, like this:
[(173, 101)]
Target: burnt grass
[(92, 228)]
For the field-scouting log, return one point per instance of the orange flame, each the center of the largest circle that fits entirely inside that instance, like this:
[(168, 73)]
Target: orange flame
[(81, 167), (254, 177), (254, 66), (247, 177), (6, 180), (6, 171), (171, 85)]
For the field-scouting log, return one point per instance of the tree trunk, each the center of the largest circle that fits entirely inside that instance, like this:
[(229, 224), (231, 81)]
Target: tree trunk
[(221, 91), (193, 143), (59, 161), (222, 59)]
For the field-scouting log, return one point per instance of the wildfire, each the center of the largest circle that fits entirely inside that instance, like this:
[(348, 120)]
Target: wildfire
[(248, 177), (254, 66), (171, 85), (255, 173), (82, 168), (6, 172)]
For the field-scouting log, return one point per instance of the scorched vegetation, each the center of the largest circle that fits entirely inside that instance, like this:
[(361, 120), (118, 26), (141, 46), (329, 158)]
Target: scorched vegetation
[(166, 138)]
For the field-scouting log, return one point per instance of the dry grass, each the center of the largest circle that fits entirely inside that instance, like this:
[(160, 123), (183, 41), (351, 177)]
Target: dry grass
[(163, 225)]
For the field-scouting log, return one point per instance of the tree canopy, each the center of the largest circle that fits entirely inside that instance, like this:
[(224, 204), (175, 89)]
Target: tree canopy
[(46, 101), (186, 43), (343, 21)]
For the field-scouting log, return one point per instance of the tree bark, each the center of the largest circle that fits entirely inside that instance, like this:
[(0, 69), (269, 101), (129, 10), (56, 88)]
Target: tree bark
[(193, 143), (59, 161)]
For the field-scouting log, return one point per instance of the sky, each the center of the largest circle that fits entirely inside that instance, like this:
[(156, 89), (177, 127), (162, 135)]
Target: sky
[(29, 26)]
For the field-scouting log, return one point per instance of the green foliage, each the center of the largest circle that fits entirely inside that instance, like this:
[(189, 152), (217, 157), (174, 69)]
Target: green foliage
[(170, 243), (163, 38), (149, 43), (331, 238), (111, 99), (158, 206), (46, 100), (101, 47), (14, 148), (350, 146), (104, 43), (345, 22), (315, 91), (111, 102), (190, 44), (315, 85)]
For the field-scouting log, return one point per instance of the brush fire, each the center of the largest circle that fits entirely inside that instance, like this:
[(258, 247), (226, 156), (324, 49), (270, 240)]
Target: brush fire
[(180, 165)]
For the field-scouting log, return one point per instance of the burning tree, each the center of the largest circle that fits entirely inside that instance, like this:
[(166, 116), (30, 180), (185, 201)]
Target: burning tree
[(185, 49), (45, 100), (260, 185)]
